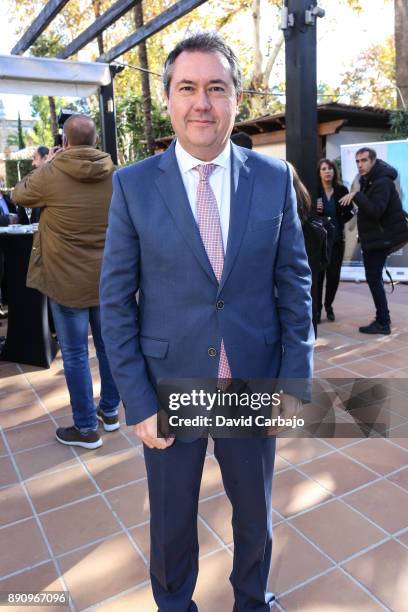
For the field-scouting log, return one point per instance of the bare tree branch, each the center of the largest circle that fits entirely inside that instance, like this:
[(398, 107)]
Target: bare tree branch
[(272, 58)]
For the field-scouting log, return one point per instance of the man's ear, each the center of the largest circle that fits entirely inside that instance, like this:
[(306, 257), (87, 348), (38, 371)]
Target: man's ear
[(64, 140), (166, 101)]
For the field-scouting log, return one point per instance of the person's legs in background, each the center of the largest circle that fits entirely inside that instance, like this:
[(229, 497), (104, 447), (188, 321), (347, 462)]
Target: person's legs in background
[(315, 300), (71, 325), (333, 271), (319, 293), (109, 399), (374, 262)]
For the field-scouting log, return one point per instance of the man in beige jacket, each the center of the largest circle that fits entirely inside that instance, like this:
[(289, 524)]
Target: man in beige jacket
[(74, 190)]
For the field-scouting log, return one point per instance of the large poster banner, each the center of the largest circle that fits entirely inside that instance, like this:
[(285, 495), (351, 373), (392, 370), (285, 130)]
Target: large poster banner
[(395, 153)]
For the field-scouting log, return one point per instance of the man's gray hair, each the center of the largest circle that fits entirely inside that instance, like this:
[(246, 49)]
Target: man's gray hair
[(207, 42)]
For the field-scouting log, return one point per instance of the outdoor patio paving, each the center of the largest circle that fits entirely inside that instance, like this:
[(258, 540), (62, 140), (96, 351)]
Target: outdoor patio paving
[(77, 520)]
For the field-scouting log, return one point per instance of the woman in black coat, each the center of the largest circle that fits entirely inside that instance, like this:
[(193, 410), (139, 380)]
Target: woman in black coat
[(329, 194)]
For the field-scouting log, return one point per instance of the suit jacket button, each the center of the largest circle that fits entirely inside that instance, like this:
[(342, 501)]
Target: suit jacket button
[(212, 352), (220, 305)]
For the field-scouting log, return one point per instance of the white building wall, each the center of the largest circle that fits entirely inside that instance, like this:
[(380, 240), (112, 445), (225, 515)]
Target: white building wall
[(333, 142), (350, 136), (10, 126), (277, 149)]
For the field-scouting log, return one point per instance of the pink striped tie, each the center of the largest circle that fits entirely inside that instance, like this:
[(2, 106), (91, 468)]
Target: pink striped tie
[(210, 230)]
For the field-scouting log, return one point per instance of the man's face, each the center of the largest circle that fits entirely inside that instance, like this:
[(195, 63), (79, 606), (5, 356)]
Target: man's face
[(37, 160), (202, 103), (364, 163)]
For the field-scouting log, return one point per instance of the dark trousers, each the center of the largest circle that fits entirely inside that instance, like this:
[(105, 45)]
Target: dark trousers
[(332, 275), (315, 299), (174, 478), (3, 286), (374, 262)]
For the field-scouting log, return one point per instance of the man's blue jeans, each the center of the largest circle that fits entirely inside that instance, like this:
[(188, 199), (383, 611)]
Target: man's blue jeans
[(71, 325)]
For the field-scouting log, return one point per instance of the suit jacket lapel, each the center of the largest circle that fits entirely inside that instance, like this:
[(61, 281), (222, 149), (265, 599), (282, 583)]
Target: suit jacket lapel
[(171, 187), (242, 178)]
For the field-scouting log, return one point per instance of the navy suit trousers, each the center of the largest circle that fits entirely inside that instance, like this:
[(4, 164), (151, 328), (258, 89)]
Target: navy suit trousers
[(174, 478)]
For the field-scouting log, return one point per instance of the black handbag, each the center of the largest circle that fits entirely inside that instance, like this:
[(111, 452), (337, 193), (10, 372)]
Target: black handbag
[(319, 238), (391, 245)]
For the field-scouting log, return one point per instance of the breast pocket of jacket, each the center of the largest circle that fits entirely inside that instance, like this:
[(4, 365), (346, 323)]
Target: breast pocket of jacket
[(266, 224)]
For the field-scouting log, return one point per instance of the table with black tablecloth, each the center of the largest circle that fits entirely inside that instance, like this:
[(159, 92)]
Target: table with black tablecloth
[(28, 340)]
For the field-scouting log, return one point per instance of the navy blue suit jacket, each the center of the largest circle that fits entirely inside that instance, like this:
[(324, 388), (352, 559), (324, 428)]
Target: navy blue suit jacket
[(154, 247), (4, 218)]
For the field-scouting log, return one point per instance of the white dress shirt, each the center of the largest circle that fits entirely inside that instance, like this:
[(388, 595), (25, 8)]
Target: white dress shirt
[(220, 181)]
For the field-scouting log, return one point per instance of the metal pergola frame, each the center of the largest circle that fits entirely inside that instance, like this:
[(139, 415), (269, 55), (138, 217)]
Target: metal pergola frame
[(299, 25)]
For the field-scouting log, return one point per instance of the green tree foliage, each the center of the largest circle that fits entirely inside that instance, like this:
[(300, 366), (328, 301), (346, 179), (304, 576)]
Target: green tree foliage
[(399, 124), (47, 45), (243, 24), (130, 125), (16, 169), (355, 5), (372, 80), (21, 143), (40, 109), (12, 139), (401, 50), (326, 94)]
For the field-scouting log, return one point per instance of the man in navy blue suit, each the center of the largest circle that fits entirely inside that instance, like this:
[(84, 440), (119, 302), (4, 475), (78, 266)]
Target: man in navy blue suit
[(7, 208), (208, 234)]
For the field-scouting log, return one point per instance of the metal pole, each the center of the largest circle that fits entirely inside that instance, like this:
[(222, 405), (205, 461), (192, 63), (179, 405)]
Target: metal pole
[(108, 121), (299, 25)]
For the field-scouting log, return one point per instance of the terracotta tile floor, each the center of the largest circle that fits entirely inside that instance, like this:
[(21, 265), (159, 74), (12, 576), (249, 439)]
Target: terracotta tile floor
[(78, 520)]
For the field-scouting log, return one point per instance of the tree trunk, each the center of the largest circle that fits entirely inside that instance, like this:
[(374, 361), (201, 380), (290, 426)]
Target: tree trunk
[(272, 59), (21, 143), (96, 5), (147, 99), (53, 115), (256, 18), (259, 82), (401, 51)]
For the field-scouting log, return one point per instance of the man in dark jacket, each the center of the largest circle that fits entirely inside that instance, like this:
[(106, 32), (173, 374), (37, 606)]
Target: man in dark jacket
[(382, 228)]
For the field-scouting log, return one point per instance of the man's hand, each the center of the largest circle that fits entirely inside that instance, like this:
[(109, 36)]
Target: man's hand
[(146, 431), (289, 408), (347, 199), (320, 206), (53, 152)]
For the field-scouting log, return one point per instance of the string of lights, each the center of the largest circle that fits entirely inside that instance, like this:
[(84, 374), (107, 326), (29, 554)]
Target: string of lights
[(254, 92)]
